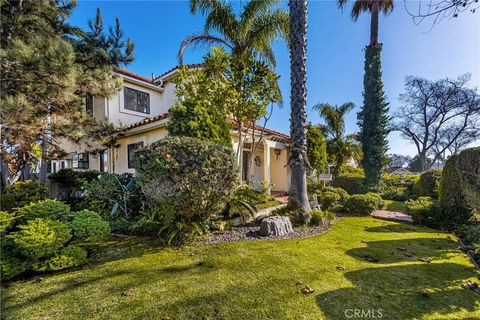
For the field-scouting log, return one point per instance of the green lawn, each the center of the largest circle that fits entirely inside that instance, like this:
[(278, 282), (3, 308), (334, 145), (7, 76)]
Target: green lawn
[(257, 280), (397, 206)]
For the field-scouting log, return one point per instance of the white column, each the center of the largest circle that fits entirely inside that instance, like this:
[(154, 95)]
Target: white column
[(266, 164)]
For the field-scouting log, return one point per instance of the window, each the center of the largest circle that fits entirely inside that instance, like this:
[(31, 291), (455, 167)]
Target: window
[(104, 160), (62, 164), (80, 161), (132, 148), (54, 167), (89, 104), (136, 100)]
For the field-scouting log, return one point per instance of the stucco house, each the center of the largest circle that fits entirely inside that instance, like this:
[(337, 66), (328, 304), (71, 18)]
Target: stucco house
[(142, 105)]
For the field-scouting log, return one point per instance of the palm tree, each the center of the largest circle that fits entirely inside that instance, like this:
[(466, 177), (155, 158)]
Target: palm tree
[(252, 31), (298, 103), (340, 147), (372, 6)]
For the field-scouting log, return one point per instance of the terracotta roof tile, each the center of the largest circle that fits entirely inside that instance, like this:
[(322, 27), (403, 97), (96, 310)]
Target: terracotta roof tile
[(148, 121), (189, 66), (132, 75)]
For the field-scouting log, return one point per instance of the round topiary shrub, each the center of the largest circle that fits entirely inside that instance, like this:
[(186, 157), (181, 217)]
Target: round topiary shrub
[(427, 184), (460, 188), (361, 204), (48, 209), (88, 226), (332, 197), (22, 193), (424, 211), (70, 256), (190, 180), (40, 237)]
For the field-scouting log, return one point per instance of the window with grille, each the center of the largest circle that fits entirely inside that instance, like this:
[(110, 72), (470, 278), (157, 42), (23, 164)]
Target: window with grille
[(136, 100), (132, 148)]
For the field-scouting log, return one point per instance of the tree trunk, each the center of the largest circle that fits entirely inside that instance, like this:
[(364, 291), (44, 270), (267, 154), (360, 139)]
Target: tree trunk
[(424, 162), (374, 22), (298, 104), (43, 161)]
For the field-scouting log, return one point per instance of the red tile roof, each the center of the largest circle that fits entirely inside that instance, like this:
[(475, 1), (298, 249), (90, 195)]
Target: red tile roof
[(189, 66), (148, 121), (166, 115), (131, 74)]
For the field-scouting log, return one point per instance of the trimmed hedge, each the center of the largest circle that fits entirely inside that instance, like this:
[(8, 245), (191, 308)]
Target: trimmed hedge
[(424, 211), (353, 184), (427, 184), (460, 188), (361, 204)]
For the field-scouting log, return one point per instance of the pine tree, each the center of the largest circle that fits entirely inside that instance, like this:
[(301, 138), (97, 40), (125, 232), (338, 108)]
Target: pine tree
[(48, 68), (373, 119)]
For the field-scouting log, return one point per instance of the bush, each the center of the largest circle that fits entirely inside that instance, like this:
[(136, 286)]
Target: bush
[(352, 183), (424, 211), (321, 217), (459, 190), (70, 184), (88, 226), (11, 264), (314, 186), (40, 238), (470, 233), (22, 193), (48, 209), (68, 257), (361, 204), (190, 180), (427, 184), (6, 220), (332, 197), (115, 196), (378, 199)]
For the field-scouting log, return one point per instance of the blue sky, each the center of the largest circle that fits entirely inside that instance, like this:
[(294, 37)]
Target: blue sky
[(335, 50)]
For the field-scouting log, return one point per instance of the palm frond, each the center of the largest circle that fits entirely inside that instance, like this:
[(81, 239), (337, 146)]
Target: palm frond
[(199, 40), (253, 9), (221, 18), (346, 108)]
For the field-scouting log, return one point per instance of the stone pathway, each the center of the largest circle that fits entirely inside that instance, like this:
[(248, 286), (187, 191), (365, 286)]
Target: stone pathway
[(282, 197), (392, 216)]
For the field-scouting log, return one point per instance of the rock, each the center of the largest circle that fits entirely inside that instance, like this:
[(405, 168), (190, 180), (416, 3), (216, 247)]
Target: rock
[(307, 290), (425, 293), (340, 268), (127, 292), (275, 226), (299, 282), (470, 285), (427, 260)]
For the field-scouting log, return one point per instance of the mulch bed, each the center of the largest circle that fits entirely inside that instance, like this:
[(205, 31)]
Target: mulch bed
[(250, 231)]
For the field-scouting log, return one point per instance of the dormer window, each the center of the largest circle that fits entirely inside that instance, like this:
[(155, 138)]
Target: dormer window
[(136, 100)]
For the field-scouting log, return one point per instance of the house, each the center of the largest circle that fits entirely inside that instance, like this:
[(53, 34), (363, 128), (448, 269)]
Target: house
[(141, 105)]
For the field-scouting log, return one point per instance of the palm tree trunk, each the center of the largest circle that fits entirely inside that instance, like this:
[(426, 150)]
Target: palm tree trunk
[(298, 104), (374, 22)]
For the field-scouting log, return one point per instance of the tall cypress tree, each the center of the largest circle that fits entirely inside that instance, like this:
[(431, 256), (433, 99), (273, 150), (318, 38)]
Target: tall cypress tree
[(373, 118)]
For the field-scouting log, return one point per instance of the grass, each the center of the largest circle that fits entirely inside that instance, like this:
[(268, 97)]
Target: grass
[(257, 279), (397, 206)]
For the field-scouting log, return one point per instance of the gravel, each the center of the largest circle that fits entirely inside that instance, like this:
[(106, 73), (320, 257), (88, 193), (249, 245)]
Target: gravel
[(250, 232)]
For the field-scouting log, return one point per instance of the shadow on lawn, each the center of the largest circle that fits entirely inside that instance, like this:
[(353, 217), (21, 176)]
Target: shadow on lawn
[(396, 289), (401, 228)]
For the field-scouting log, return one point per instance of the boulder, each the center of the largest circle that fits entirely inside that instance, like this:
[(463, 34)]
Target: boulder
[(275, 226)]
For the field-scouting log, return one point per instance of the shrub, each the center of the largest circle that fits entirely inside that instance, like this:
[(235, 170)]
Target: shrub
[(22, 193), (70, 183), (424, 211), (40, 238), (379, 201), (352, 183), (459, 190), (115, 196), (10, 264), (243, 202), (88, 226), (332, 197), (427, 184), (190, 180), (471, 233), (48, 209), (314, 186), (321, 217), (6, 220), (70, 256), (361, 204)]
